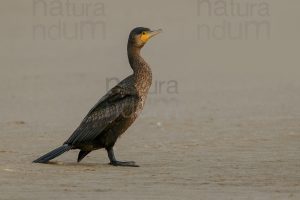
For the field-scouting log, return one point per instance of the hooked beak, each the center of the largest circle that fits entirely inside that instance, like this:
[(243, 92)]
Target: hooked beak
[(154, 32)]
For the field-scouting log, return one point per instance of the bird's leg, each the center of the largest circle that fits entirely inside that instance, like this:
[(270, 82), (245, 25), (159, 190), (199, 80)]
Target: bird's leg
[(115, 162)]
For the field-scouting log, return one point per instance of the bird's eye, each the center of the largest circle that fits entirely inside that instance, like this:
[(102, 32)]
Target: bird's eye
[(143, 33)]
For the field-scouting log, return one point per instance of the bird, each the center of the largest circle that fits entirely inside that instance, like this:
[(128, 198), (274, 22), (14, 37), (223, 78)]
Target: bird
[(115, 112)]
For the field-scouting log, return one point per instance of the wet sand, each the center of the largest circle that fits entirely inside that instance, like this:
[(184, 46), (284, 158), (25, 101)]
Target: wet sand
[(230, 130)]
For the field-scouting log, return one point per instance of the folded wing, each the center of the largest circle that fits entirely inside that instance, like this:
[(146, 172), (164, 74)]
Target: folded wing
[(118, 101)]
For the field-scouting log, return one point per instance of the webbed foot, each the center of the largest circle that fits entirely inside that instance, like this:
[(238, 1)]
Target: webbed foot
[(115, 162), (124, 163)]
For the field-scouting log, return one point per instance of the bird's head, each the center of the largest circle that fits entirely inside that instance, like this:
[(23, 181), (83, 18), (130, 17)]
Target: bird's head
[(139, 36)]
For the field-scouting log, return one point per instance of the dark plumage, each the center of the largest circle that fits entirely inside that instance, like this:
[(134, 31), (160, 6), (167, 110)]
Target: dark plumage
[(116, 110)]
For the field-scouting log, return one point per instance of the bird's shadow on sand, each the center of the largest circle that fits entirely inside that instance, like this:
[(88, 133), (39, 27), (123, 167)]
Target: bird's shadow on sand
[(86, 166), (75, 164)]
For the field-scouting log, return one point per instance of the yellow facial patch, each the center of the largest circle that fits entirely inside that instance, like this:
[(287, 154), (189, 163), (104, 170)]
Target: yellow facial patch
[(145, 37)]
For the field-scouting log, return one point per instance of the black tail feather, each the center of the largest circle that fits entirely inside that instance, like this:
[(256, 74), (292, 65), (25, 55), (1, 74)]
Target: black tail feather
[(53, 154)]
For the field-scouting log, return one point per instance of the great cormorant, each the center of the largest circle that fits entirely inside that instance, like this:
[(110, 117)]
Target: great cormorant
[(116, 110)]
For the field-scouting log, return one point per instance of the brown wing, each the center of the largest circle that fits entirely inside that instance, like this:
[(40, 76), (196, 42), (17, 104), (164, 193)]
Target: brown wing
[(115, 103)]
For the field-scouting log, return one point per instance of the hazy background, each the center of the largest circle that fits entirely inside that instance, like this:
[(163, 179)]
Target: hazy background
[(224, 67), (38, 66)]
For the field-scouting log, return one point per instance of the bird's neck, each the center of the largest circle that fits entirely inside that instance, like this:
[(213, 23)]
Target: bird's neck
[(141, 70)]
